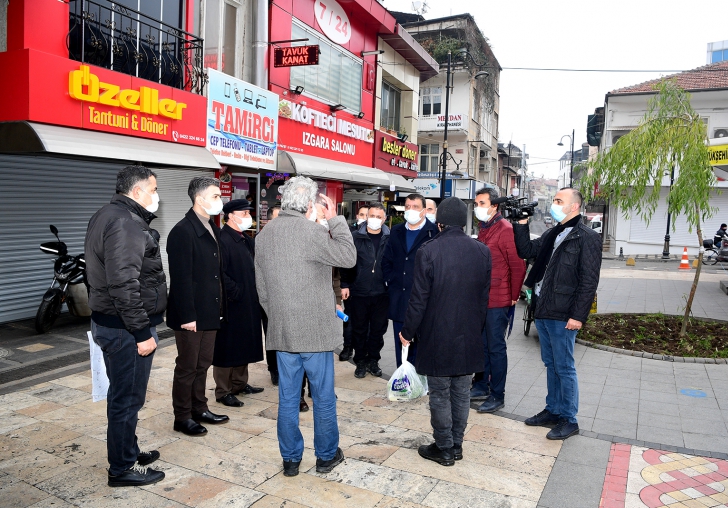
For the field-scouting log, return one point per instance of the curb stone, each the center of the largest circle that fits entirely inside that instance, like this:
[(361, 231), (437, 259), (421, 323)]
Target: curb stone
[(654, 356)]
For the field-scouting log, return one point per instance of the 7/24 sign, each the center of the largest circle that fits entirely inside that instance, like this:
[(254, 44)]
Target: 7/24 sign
[(333, 21)]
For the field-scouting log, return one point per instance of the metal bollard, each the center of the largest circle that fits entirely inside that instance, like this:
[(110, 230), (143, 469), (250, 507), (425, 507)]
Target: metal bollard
[(621, 253)]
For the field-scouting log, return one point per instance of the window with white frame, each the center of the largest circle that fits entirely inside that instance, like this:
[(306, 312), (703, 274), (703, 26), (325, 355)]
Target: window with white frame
[(221, 36), (338, 76), (429, 157), (431, 100), (389, 113)]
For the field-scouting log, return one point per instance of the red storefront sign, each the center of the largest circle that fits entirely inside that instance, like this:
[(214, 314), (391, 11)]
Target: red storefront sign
[(65, 92), (312, 131), (395, 156)]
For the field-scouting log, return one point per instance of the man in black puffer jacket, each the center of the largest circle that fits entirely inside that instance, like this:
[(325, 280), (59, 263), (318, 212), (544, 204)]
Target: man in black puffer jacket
[(127, 297), (564, 277)]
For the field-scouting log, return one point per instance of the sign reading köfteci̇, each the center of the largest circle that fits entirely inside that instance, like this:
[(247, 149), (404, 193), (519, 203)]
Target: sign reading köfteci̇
[(304, 129), (295, 56), (242, 122), (393, 155), (122, 104)]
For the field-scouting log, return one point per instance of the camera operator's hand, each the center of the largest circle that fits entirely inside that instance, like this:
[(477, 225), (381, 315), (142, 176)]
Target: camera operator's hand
[(523, 221)]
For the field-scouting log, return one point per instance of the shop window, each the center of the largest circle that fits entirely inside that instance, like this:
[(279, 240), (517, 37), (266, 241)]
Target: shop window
[(429, 157), (431, 100), (389, 114), (221, 34), (338, 76)]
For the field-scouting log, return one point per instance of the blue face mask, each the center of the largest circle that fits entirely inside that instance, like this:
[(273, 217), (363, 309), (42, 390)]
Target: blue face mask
[(557, 212)]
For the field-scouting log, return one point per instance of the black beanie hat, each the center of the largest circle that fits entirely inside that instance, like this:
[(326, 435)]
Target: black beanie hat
[(452, 212)]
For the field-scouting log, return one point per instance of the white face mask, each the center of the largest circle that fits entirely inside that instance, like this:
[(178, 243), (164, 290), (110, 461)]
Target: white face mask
[(154, 206), (430, 217), (375, 224), (244, 223), (359, 222), (314, 214), (482, 214), (324, 223), (215, 208), (412, 216)]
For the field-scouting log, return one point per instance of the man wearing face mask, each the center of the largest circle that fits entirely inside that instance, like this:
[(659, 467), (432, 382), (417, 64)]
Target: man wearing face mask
[(430, 210), (363, 290), (564, 279), (508, 272), (127, 297), (196, 304), (398, 265), (361, 217), (240, 339)]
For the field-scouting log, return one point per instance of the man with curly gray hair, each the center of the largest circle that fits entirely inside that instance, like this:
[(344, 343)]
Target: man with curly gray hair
[(293, 262)]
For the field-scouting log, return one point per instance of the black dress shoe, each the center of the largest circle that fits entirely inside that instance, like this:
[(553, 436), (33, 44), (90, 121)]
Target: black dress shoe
[(190, 427), (325, 466), (248, 390), (302, 406), (146, 458), (211, 418), (457, 451), (230, 400), (346, 353), (543, 419), (373, 368), (361, 370), (274, 378), (432, 452), (136, 476), (563, 430), (290, 467)]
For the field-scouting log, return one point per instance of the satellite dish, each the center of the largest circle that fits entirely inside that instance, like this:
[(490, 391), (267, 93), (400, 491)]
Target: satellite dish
[(416, 5)]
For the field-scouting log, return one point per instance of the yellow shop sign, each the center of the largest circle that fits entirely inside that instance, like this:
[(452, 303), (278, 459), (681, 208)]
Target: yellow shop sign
[(85, 86), (718, 155)]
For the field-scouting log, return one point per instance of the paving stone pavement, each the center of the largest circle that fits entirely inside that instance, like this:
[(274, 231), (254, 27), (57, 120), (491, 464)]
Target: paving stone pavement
[(52, 452)]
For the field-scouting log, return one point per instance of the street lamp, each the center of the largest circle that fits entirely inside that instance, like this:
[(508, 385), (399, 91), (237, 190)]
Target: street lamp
[(571, 167), (461, 53)]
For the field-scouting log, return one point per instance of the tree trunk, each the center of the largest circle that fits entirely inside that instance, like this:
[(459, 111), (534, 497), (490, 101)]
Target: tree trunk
[(689, 305)]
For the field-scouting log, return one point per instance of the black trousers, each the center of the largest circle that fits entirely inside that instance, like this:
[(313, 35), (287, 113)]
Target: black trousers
[(368, 317), (194, 357)]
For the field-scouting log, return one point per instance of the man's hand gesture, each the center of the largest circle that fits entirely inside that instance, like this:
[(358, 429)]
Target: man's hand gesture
[(147, 347)]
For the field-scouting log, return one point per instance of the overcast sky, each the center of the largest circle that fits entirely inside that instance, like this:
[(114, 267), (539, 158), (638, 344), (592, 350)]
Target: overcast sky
[(538, 107)]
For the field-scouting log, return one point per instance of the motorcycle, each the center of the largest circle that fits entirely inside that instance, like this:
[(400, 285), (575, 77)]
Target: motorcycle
[(68, 273)]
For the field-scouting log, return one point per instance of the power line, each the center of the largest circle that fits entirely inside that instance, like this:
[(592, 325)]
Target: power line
[(722, 69)]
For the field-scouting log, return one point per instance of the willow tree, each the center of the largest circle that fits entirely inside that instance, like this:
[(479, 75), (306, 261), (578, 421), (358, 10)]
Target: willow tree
[(671, 137)]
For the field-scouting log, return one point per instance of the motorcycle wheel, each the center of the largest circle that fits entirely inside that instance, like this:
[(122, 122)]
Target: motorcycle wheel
[(526, 321), (47, 314)]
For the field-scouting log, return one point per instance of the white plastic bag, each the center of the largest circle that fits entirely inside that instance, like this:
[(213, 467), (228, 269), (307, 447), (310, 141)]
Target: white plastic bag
[(99, 380), (405, 383)]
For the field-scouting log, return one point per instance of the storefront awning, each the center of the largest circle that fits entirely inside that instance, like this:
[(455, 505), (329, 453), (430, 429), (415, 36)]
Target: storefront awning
[(30, 137), (316, 167)]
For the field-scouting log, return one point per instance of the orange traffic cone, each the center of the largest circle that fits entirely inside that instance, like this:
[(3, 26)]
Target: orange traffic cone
[(684, 263)]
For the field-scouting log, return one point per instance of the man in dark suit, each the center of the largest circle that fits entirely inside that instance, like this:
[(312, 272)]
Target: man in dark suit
[(196, 304), (447, 311), (398, 264), (240, 339)]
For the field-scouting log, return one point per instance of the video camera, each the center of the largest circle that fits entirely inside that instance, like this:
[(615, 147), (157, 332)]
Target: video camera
[(514, 208)]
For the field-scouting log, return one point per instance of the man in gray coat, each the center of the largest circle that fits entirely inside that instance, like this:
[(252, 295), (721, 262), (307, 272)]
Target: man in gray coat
[(294, 257)]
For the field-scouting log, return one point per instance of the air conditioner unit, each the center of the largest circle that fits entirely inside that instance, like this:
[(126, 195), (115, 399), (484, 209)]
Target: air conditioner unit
[(481, 167), (616, 135), (482, 153), (721, 132)]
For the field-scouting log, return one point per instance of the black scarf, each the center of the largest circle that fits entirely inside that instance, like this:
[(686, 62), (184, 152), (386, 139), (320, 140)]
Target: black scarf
[(544, 253)]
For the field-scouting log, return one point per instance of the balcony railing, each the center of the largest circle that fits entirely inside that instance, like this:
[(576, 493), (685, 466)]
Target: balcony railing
[(124, 40)]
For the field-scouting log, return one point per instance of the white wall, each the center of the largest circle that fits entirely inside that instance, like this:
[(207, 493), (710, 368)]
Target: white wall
[(397, 71)]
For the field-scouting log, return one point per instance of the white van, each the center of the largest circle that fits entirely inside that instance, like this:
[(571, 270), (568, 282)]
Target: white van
[(596, 224)]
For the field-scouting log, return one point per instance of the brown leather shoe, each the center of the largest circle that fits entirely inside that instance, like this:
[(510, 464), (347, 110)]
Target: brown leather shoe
[(302, 406)]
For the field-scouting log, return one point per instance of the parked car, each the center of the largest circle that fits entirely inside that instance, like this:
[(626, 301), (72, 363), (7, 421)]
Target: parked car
[(547, 220)]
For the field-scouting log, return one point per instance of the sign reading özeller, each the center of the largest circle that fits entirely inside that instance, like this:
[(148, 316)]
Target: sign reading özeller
[(242, 122), (295, 56)]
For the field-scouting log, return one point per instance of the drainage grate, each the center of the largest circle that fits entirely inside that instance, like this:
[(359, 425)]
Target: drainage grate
[(4, 352)]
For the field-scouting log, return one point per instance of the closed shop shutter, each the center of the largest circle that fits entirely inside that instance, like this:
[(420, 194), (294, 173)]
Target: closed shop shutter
[(36, 191), (654, 233), (173, 202)]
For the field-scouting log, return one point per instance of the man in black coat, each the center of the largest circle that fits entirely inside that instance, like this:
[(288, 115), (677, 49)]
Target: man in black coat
[(398, 264), (363, 289), (447, 311), (127, 297), (240, 339), (196, 304), (564, 279)]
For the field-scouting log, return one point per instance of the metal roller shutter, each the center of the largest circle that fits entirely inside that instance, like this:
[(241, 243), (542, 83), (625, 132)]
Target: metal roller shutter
[(173, 202), (36, 191)]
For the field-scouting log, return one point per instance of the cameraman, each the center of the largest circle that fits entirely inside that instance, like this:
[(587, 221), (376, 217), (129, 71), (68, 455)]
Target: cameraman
[(564, 279)]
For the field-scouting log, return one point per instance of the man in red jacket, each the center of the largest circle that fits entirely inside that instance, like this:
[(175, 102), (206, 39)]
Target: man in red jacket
[(507, 276)]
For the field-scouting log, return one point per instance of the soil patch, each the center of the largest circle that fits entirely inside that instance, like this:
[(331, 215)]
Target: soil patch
[(658, 334)]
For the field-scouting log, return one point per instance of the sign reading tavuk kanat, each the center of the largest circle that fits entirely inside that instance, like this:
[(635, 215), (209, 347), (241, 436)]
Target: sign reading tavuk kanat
[(242, 122)]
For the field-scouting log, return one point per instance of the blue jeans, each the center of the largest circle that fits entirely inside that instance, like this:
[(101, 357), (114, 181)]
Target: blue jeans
[(411, 353), (128, 375), (319, 367), (557, 353), (496, 357)]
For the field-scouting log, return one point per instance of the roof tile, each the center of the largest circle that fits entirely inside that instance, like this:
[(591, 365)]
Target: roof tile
[(703, 78)]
